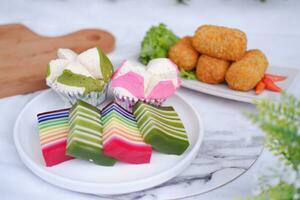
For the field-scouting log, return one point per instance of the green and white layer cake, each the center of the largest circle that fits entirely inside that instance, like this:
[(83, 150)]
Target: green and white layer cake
[(162, 128), (85, 134)]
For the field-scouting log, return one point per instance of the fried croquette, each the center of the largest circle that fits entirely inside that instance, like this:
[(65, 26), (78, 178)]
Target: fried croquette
[(183, 54), (186, 40), (211, 70), (220, 42), (244, 74)]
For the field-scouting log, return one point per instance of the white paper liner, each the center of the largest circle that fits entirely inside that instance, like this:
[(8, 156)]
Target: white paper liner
[(128, 102), (71, 97)]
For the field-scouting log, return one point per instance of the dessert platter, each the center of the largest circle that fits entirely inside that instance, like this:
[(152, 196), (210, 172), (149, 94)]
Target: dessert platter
[(109, 131), (84, 136)]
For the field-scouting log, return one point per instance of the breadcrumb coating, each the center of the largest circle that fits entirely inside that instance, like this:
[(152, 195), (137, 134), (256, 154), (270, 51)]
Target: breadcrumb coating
[(244, 74), (211, 70), (183, 54), (220, 42)]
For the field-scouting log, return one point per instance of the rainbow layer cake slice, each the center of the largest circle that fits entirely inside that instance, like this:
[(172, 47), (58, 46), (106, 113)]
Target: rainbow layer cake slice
[(121, 136), (162, 128), (53, 131), (85, 134)]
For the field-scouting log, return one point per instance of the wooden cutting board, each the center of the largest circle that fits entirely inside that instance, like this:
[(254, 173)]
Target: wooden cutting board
[(24, 55)]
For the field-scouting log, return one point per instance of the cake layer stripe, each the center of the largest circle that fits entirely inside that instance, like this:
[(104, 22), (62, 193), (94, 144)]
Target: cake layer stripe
[(87, 123), (53, 143), (115, 117), (151, 122), (169, 111), (50, 130), (53, 112), (115, 105), (87, 129), (45, 118), (121, 136), (120, 132), (53, 139), (85, 135), (150, 128), (170, 123), (53, 130), (162, 128), (133, 132), (89, 144), (53, 123), (81, 109), (45, 137), (128, 140), (119, 120), (132, 129), (85, 116), (162, 114), (115, 113), (85, 106), (120, 111)]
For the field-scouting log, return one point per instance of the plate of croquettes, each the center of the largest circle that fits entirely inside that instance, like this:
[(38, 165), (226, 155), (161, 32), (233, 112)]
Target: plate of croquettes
[(216, 61)]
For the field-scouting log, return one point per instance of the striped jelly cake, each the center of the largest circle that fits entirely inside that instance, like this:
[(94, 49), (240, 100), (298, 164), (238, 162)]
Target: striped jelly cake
[(85, 134), (162, 128), (53, 131)]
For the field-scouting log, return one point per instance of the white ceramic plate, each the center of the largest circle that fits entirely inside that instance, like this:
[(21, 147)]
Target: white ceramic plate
[(82, 176), (222, 90)]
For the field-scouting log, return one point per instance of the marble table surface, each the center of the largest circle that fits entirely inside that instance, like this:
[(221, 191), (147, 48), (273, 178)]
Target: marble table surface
[(231, 143)]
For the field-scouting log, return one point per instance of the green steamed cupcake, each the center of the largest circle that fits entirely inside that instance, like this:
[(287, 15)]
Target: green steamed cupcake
[(84, 76)]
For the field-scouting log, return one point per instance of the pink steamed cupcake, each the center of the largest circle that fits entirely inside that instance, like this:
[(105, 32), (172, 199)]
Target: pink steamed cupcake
[(153, 83)]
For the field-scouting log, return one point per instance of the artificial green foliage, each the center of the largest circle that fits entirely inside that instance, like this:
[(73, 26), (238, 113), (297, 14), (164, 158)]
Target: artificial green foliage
[(156, 43), (190, 75), (281, 123), (282, 191)]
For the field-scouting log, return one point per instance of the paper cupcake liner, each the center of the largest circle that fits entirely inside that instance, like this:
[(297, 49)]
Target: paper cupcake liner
[(128, 102), (71, 97)]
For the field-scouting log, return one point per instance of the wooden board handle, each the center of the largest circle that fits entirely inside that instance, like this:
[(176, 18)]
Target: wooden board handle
[(24, 55)]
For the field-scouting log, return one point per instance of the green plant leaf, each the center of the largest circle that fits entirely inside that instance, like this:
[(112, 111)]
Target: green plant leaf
[(156, 43)]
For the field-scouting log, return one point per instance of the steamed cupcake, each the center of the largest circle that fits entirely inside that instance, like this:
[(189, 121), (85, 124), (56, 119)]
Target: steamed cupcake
[(153, 83), (85, 76)]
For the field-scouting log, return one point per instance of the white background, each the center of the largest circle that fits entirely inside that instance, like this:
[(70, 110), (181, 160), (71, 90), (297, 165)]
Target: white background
[(273, 27)]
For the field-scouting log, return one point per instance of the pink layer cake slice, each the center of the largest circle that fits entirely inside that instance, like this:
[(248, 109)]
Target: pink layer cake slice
[(121, 136), (53, 131)]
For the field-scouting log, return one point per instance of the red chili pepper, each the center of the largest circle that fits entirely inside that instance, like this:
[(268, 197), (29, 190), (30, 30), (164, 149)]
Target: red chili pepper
[(275, 77), (270, 85), (260, 86)]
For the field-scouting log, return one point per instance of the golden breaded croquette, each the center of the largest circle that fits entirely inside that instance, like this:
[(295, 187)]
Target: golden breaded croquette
[(220, 42), (211, 70), (183, 54), (186, 40), (244, 74)]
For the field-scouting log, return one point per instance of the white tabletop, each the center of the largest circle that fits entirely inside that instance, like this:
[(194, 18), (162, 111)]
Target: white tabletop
[(273, 27)]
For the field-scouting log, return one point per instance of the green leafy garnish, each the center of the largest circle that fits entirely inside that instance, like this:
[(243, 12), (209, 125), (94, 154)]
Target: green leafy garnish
[(190, 75), (156, 43)]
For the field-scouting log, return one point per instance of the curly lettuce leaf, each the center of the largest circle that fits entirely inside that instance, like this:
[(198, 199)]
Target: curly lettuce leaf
[(190, 75), (156, 43)]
